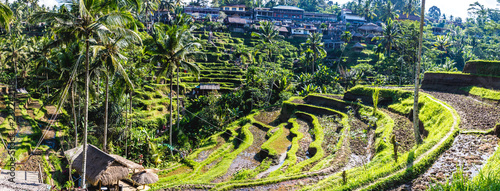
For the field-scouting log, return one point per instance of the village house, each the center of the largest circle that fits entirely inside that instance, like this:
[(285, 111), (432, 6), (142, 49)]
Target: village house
[(287, 12), (201, 12), (237, 24), (237, 11), (347, 16)]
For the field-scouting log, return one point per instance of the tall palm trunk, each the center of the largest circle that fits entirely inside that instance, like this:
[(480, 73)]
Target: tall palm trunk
[(416, 127), (314, 62), (130, 111), (105, 148), (47, 77), (86, 111), (171, 112), (126, 123), (75, 123), (178, 102)]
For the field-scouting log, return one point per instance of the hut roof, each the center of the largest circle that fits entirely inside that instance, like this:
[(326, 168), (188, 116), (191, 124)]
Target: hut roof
[(370, 27), (236, 20), (370, 36), (126, 162), (8, 185), (145, 177), (282, 29), (358, 45), (100, 165), (357, 35)]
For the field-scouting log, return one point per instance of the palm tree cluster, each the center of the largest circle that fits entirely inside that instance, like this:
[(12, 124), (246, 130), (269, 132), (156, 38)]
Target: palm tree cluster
[(87, 41)]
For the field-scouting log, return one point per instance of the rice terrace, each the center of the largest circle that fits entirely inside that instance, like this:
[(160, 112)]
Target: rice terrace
[(250, 95)]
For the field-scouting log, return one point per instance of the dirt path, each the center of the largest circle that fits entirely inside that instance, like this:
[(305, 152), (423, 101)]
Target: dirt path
[(436, 146), (474, 115), (249, 158), (469, 152)]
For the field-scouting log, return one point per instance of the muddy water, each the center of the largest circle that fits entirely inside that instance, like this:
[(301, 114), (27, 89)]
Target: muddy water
[(273, 167)]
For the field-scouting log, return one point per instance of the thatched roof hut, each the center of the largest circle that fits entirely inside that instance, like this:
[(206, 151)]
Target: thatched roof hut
[(358, 47), (370, 28), (145, 177), (101, 167)]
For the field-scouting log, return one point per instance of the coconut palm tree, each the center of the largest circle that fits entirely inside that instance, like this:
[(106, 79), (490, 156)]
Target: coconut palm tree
[(368, 11), (16, 51), (5, 16), (172, 46), (479, 10), (268, 34), (90, 23), (410, 8), (346, 36), (109, 53), (168, 5), (391, 31), (416, 128), (314, 43), (389, 12)]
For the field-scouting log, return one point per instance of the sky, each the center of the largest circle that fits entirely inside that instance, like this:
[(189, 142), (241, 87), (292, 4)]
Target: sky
[(457, 8)]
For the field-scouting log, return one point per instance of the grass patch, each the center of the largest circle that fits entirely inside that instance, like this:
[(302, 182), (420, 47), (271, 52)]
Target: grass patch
[(483, 93)]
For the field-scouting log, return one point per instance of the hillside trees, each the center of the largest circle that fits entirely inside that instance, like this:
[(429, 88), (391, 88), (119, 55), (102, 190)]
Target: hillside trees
[(315, 45), (90, 23), (5, 16), (173, 45)]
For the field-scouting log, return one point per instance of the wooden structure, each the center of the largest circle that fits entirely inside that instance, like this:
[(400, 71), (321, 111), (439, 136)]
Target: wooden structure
[(102, 168), (204, 89)]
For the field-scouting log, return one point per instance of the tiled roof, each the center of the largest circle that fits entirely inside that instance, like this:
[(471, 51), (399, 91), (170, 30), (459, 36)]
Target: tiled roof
[(288, 8), (354, 17), (236, 20)]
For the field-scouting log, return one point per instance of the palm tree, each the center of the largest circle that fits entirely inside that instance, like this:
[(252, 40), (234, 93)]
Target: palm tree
[(410, 8), (89, 23), (479, 10), (416, 128), (368, 11), (306, 58), (5, 16), (172, 47), (346, 36), (16, 52), (63, 69), (314, 43), (109, 54), (389, 12), (391, 31), (168, 5), (268, 35), (442, 43)]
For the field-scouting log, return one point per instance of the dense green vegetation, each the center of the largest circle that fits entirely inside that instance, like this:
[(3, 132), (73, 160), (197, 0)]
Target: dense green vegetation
[(132, 88)]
